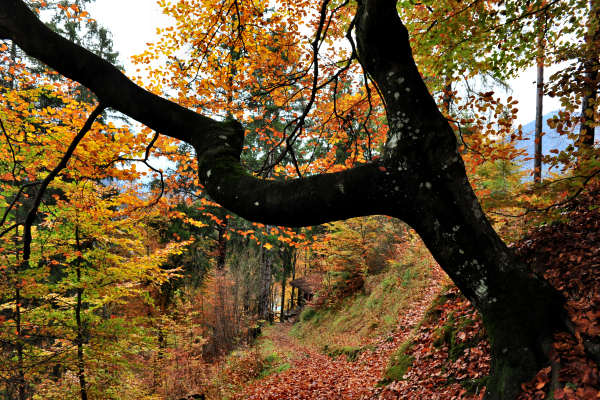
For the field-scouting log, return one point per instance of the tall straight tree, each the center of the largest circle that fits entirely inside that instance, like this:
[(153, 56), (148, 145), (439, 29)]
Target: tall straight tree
[(539, 101), (591, 75), (419, 178)]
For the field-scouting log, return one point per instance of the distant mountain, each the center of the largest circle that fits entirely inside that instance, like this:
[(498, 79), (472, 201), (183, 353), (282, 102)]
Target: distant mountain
[(550, 140)]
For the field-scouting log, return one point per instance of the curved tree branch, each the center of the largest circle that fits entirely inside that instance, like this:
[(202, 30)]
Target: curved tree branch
[(218, 144), (113, 88)]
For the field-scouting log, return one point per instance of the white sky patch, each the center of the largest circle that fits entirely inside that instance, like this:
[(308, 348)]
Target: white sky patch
[(133, 23), (524, 90)]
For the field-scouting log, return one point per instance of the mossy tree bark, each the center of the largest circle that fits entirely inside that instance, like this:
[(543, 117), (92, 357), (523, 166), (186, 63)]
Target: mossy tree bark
[(420, 179)]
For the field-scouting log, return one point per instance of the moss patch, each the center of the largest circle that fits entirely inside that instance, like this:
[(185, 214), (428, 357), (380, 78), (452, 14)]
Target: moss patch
[(447, 335), (272, 365), (307, 314), (350, 352), (399, 364), (434, 311)]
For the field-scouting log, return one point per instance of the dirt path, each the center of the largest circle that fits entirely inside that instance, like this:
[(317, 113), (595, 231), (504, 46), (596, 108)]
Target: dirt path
[(315, 376)]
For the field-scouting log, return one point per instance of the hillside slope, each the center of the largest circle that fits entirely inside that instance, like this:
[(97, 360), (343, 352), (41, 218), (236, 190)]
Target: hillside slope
[(364, 331), (375, 310), (438, 349), (449, 355)]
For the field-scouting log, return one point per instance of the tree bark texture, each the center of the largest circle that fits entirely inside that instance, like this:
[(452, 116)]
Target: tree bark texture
[(539, 109), (20, 373), (282, 310), (420, 179), (222, 244)]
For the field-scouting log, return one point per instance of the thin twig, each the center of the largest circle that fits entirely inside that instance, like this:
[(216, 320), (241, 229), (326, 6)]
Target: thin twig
[(12, 151), (147, 164), (555, 205), (14, 201)]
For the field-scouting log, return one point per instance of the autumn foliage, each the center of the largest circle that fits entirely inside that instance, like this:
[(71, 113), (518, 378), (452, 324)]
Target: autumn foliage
[(121, 278)]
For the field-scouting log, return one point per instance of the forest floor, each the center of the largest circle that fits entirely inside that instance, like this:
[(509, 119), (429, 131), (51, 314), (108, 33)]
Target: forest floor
[(315, 375), (439, 349)]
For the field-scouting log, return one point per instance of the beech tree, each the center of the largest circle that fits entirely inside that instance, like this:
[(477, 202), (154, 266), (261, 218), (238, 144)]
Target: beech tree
[(420, 177)]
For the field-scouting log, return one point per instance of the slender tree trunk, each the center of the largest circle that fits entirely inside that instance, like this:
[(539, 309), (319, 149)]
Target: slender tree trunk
[(539, 105), (160, 355), (80, 327), (282, 311), (587, 130), (21, 384), (293, 288), (289, 269), (13, 58), (591, 81), (222, 244), (264, 296), (447, 99), (265, 285), (221, 325), (20, 364)]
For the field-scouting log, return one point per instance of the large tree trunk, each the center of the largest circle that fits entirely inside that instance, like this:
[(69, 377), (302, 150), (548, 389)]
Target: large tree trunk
[(420, 179), (520, 311)]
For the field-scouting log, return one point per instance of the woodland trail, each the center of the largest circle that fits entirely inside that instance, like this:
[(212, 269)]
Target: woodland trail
[(314, 375)]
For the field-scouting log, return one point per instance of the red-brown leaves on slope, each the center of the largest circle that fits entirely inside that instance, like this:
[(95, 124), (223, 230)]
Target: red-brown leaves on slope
[(568, 255), (576, 379), (451, 356)]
